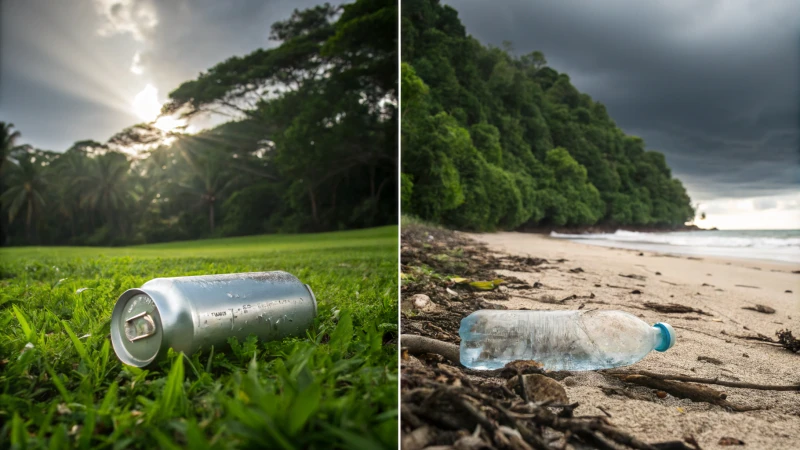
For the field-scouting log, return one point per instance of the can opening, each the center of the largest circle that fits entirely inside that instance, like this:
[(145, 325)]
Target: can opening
[(139, 326), (136, 329)]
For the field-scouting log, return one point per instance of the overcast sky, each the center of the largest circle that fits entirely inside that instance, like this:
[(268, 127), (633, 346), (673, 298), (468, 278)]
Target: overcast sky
[(713, 84), (85, 69)]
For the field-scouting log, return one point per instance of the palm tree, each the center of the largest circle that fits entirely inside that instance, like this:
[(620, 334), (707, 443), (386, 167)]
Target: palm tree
[(26, 186), (8, 139), (208, 185), (71, 167), (105, 186)]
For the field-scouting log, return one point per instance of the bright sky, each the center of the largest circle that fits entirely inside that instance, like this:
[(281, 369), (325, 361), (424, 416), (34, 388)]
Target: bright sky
[(761, 213)]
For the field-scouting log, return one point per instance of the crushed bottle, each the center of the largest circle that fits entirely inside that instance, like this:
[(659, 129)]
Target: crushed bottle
[(560, 340)]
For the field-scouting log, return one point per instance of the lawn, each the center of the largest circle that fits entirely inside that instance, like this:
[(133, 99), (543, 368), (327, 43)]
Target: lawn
[(63, 386)]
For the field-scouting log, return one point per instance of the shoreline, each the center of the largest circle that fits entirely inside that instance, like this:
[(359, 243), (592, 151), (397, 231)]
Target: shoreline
[(676, 251)]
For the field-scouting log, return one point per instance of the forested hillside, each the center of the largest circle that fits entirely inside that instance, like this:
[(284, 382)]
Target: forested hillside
[(311, 145), (495, 140)]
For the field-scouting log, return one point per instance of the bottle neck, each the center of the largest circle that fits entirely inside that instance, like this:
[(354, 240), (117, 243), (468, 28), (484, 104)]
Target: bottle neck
[(661, 339)]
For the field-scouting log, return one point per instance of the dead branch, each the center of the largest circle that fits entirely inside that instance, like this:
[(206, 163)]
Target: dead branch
[(417, 345), (736, 384)]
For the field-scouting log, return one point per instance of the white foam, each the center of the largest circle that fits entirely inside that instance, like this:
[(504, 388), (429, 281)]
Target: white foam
[(769, 245)]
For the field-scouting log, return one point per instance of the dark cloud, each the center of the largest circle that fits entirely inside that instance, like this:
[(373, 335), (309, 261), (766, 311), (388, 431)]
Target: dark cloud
[(67, 68), (714, 85)]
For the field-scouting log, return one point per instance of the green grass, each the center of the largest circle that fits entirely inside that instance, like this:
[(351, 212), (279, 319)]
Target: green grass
[(63, 387)]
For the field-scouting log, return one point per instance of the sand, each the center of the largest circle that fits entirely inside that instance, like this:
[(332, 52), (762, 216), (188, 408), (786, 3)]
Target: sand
[(714, 285)]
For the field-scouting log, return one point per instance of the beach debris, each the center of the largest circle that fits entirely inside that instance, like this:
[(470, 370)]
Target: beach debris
[(420, 301), (634, 276), (761, 309), (788, 291), (691, 441), (668, 282), (673, 308), (528, 260), (708, 285), (730, 441), (788, 341), (417, 345), (486, 285), (636, 291), (576, 270), (717, 381), (537, 388), (745, 355), (747, 286), (641, 254), (694, 392), (710, 360), (658, 273)]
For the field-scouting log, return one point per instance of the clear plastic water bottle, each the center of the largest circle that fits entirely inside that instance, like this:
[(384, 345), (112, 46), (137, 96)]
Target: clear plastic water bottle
[(560, 340)]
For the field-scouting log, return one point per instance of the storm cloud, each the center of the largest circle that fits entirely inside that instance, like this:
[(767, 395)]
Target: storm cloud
[(71, 70), (714, 85)]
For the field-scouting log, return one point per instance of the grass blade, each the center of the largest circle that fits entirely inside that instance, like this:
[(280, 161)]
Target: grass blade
[(81, 349)]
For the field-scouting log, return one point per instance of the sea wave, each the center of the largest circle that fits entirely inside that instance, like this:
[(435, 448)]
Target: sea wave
[(689, 239)]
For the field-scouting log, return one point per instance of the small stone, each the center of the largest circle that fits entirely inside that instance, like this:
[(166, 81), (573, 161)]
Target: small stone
[(452, 293), (658, 273), (420, 301), (745, 355), (788, 291), (538, 388), (661, 394)]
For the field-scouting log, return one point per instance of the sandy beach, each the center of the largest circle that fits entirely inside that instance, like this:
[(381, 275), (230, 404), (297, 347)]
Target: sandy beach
[(721, 288)]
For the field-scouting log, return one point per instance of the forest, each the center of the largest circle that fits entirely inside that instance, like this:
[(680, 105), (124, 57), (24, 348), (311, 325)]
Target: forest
[(311, 145), (494, 140)]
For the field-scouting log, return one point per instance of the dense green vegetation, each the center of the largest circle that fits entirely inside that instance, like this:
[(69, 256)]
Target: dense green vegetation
[(61, 386), (493, 140), (313, 147)]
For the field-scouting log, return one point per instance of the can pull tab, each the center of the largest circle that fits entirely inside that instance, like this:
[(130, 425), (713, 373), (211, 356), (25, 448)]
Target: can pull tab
[(139, 326)]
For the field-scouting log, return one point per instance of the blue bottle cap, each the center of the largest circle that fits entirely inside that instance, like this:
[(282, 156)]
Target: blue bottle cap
[(667, 336)]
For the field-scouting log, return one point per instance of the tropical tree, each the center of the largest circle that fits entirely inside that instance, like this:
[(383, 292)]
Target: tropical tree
[(207, 186), (105, 187), (26, 185), (8, 138)]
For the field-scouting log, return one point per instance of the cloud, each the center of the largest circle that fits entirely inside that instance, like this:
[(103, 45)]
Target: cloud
[(135, 17), (69, 70), (714, 85), (136, 65)]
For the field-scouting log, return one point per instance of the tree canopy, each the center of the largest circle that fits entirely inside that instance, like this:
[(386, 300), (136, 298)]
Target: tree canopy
[(494, 140), (311, 145)]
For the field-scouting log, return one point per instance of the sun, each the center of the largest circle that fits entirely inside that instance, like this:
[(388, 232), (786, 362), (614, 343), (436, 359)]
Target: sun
[(147, 108)]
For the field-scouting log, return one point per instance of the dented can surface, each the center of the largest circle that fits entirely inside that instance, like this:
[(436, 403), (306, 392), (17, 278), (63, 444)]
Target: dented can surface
[(197, 312)]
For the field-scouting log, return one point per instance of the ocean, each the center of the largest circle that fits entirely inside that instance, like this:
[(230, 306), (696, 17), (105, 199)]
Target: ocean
[(771, 245)]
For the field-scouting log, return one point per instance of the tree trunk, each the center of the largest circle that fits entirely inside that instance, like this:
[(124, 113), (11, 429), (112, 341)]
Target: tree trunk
[(313, 199), (372, 181), (29, 218), (211, 216)]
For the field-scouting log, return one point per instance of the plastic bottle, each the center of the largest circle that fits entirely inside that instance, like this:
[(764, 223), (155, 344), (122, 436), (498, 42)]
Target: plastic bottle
[(560, 340)]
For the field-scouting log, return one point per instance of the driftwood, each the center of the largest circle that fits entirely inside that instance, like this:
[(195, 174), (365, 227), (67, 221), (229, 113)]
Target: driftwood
[(694, 392), (417, 345), (673, 308), (736, 384), (761, 308)]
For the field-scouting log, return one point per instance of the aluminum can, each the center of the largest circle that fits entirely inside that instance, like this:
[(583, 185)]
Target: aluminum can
[(197, 312)]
